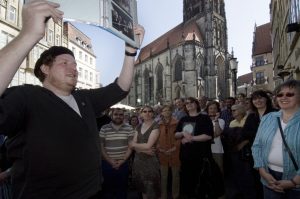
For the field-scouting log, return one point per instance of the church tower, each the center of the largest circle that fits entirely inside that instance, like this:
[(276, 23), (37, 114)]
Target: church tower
[(190, 60), (211, 20)]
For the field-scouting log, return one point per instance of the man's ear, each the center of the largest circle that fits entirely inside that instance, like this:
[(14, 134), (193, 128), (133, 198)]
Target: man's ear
[(45, 69)]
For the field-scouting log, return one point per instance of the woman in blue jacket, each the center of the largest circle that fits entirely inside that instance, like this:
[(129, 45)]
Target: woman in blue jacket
[(279, 175)]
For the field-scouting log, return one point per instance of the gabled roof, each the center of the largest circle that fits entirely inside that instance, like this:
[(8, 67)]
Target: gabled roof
[(246, 78), (182, 32), (262, 40)]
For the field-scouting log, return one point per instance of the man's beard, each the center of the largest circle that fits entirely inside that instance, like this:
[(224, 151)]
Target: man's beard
[(117, 122)]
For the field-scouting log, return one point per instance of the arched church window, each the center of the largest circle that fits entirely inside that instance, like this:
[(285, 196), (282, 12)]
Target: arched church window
[(220, 66), (159, 80), (148, 85), (178, 69), (177, 92), (136, 85)]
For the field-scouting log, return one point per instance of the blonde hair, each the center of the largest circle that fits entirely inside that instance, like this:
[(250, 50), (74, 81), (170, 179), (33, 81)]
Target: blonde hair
[(240, 108)]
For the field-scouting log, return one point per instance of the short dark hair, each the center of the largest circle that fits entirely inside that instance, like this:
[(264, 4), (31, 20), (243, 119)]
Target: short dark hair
[(192, 99), (288, 84), (47, 58), (133, 116), (116, 109), (211, 103)]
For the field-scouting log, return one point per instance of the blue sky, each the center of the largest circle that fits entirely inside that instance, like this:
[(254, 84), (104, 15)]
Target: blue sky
[(159, 16)]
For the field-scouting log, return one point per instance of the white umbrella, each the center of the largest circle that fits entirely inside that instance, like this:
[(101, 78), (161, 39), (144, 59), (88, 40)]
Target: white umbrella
[(123, 106)]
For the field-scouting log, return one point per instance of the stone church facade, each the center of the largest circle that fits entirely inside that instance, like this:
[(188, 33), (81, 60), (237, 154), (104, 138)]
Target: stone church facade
[(191, 59)]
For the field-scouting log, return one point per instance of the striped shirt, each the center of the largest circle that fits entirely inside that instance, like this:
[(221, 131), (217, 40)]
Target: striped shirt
[(115, 141)]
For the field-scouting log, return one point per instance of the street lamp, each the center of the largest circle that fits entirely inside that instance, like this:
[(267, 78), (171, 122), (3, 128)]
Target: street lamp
[(139, 101), (233, 66)]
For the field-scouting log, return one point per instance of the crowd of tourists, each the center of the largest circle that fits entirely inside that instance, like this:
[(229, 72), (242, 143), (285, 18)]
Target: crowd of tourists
[(57, 144)]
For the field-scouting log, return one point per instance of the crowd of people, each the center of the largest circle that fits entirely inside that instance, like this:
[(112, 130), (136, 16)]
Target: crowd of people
[(172, 145), (58, 143)]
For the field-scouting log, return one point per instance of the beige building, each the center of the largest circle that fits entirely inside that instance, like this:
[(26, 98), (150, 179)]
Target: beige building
[(262, 59), (80, 44), (10, 25), (285, 28)]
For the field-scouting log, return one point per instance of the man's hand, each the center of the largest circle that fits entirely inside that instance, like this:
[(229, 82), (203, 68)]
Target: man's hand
[(119, 163), (140, 32), (3, 176), (34, 15), (113, 163)]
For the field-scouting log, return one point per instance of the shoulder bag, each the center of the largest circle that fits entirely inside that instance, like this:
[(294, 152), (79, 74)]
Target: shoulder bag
[(286, 146)]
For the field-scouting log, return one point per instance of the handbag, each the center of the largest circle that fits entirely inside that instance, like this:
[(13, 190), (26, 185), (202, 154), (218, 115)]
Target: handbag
[(286, 146), (211, 182)]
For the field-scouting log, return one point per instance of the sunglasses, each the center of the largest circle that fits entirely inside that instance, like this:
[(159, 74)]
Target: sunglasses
[(285, 94), (147, 111)]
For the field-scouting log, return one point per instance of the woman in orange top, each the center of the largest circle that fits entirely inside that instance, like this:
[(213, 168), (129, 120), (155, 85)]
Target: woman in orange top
[(168, 148)]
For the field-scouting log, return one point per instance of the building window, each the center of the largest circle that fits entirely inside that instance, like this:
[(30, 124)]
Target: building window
[(259, 61), (91, 76), (85, 58), (5, 38), (80, 54), (178, 70), (260, 78), (96, 79), (86, 75), (36, 53), (12, 14), (136, 84), (74, 50), (91, 60), (57, 40), (50, 36), (80, 73), (294, 11), (148, 86), (159, 81)]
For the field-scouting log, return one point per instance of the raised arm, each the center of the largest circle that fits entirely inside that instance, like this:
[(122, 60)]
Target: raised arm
[(126, 75), (12, 55)]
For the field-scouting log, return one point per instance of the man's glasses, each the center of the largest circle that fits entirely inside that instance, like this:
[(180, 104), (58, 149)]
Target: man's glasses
[(285, 94), (145, 111)]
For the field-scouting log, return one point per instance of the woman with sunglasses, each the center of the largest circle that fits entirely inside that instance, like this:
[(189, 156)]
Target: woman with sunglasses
[(196, 133), (279, 173), (146, 168)]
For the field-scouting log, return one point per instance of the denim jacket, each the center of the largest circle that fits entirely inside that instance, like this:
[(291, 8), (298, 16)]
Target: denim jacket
[(264, 138)]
